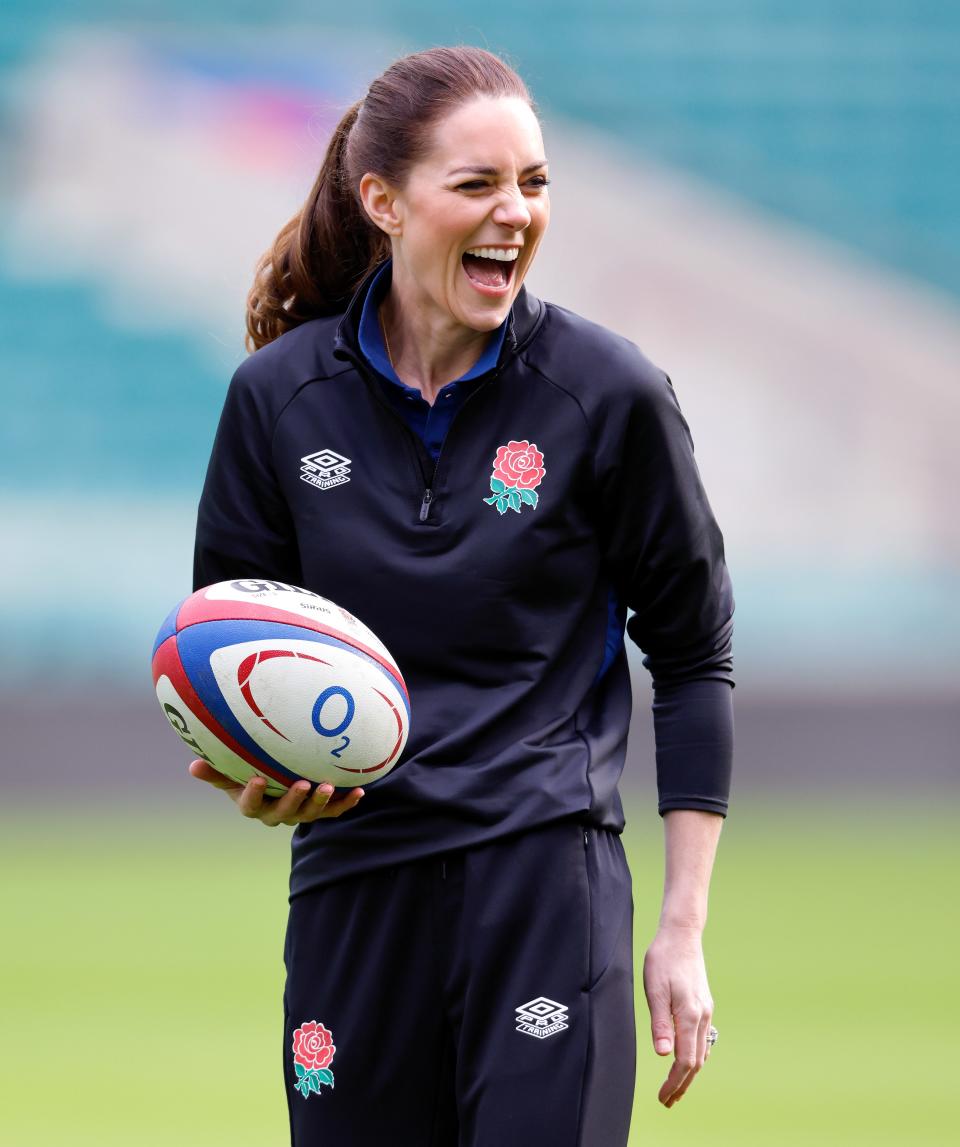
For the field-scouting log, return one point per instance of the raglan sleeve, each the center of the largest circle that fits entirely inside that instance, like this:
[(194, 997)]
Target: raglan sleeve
[(666, 556), (244, 524)]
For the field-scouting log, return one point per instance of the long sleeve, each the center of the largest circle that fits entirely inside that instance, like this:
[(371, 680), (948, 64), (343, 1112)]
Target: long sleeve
[(244, 527), (667, 560)]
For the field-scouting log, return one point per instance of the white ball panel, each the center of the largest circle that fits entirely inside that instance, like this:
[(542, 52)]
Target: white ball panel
[(354, 737)]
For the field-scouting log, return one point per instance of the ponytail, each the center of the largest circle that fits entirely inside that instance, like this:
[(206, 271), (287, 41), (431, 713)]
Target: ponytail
[(320, 256)]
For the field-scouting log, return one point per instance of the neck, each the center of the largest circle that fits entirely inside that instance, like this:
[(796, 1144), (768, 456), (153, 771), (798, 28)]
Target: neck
[(427, 349)]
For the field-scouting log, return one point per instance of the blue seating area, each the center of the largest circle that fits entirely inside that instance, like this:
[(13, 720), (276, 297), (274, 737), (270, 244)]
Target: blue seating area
[(835, 116), (840, 115)]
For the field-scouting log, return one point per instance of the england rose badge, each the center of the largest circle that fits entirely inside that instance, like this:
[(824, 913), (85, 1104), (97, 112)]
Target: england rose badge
[(517, 471), (313, 1052)]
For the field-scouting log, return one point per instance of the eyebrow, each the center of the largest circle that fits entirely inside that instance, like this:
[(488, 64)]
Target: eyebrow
[(495, 170)]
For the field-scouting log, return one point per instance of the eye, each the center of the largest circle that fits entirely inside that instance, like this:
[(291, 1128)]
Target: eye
[(472, 185), (539, 181)]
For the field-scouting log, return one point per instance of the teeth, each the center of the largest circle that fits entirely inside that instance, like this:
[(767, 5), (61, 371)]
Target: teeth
[(505, 255)]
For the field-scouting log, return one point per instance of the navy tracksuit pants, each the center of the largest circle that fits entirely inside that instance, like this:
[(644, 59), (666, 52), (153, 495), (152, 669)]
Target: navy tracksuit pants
[(482, 998)]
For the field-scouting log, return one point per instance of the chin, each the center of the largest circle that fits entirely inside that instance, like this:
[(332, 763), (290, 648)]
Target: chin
[(488, 322), (484, 314), (490, 317)]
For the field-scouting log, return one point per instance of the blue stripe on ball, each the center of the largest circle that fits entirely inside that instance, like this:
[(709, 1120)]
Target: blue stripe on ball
[(168, 629)]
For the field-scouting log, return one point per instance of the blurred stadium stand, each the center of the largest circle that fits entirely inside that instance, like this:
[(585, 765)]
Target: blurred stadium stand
[(763, 196)]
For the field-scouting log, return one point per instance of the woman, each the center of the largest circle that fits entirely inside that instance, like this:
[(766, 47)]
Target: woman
[(503, 479)]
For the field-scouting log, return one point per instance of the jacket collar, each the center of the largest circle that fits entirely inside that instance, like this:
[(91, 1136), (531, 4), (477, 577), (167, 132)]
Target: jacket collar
[(526, 315)]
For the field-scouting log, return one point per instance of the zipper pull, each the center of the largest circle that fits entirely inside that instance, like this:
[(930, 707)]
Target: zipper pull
[(425, 505)]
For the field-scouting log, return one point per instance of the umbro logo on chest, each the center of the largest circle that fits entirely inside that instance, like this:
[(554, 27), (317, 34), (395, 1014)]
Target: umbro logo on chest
[(325, 469)]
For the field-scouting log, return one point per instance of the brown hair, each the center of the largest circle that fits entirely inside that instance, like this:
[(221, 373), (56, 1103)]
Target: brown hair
[(323, 253)]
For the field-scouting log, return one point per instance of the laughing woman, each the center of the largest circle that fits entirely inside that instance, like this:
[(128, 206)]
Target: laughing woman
[(458, 949)]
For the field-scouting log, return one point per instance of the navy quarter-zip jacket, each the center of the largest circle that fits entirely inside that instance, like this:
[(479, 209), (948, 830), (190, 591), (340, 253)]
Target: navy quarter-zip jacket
[(497, 613)]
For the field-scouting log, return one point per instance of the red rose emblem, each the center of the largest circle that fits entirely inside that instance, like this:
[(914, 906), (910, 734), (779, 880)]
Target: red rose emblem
[(313, 1045), (520, 465)]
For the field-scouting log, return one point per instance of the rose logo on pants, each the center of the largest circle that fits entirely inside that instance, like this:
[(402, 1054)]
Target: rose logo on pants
[(517, 470), (313, 1052)]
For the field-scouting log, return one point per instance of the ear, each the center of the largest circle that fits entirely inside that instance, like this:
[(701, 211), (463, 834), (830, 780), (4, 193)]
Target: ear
[(380, 201)]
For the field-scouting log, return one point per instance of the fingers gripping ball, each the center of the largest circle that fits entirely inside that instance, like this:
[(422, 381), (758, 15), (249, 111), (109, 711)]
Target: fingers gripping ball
[(262, 678)]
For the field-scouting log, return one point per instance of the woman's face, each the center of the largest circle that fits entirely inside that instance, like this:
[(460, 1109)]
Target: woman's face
[(482, 185)]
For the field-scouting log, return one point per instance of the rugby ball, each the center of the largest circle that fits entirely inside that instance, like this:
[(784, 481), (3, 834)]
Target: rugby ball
[(263, 678)]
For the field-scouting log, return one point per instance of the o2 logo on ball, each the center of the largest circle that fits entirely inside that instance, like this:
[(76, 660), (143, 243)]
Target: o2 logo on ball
[(322, 709), (245, 671), (336, 731)]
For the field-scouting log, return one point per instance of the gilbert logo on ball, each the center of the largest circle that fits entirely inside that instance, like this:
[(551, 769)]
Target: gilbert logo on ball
[(260, 677)]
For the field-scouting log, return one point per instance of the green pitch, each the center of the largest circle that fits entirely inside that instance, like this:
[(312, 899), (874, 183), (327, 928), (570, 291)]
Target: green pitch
[(141, 975)]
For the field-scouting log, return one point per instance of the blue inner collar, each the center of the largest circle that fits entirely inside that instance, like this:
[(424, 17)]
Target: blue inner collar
[(371, 336)]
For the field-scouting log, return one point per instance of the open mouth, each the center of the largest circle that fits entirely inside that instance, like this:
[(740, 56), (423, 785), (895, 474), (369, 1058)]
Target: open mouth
[(489, 275)]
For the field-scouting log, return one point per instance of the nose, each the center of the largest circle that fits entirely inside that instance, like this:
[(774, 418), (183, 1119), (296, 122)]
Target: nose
[(512, 211)]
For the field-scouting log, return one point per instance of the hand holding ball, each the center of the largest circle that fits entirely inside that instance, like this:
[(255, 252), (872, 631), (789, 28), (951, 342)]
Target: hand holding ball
[(265, 679)]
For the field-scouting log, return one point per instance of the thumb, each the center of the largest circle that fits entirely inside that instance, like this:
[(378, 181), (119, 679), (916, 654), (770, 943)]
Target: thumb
[(661, 1027)]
